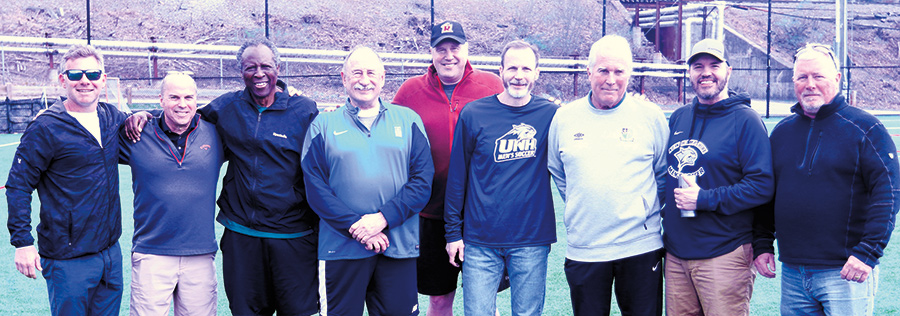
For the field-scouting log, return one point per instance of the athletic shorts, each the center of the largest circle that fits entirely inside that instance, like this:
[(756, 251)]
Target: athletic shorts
[(267, 275), (386, 286), (435, 275)]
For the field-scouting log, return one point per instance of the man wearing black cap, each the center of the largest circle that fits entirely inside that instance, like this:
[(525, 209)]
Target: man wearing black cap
[(437, 96), (720, 168)]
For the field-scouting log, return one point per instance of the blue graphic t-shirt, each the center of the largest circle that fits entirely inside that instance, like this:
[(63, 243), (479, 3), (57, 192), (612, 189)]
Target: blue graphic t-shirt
[(498, 189)]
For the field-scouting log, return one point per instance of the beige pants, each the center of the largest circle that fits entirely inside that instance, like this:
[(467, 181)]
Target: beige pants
[(719, 286), (156, 280)]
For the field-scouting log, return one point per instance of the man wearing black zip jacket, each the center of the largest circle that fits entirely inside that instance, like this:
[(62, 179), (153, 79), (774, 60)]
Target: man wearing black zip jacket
[(836, 196), (719, 148), (69, 153)]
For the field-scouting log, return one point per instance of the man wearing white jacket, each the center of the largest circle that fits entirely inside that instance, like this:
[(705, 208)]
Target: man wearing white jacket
[(607, 157)]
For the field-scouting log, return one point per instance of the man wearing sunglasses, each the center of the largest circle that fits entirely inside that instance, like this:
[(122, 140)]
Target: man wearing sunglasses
[(836, 197), (69, 153)]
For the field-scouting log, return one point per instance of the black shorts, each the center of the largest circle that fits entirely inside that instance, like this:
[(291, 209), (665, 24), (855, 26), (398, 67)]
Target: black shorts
[(435, 275), (385, 285), (267, 275)]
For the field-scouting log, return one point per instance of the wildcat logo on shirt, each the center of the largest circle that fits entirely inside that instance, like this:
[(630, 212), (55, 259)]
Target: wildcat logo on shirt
[(518, 143), (687, 152)]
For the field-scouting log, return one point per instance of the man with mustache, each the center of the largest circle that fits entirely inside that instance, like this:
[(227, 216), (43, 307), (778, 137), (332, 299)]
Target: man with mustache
[(499, 209), (438, 96), (368, 171), (836, 200), (612, 200), (719, 170)]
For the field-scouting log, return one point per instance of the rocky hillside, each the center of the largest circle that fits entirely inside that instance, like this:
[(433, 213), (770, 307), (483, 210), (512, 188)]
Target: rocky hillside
[(561, 28)]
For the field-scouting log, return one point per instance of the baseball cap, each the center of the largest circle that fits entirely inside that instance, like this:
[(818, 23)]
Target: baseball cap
[(708, 46), (449, 29)]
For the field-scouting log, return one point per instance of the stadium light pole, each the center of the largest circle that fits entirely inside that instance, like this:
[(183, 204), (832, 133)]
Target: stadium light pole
[(267, 19), (88, 10), (603, 33)]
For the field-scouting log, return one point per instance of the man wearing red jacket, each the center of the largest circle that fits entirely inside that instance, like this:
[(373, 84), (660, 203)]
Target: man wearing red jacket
[(438, 96)]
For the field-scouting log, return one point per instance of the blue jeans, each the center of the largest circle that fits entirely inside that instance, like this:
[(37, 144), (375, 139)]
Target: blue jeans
[(817, 291), (483, 268)]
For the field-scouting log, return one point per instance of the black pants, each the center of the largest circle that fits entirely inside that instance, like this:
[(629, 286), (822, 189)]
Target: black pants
[(638, 282)]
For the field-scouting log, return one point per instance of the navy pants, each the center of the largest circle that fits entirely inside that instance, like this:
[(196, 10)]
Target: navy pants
[(87, 285)]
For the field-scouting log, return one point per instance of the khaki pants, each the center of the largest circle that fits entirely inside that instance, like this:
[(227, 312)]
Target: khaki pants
[(156, 280), (719, 286)]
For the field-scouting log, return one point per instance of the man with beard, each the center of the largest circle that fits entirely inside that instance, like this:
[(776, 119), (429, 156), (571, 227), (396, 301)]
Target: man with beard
[(499, 209), (612, 200), (269, 244), (720, 168), (836, 197), (69, 153), (368, 172), (438, 96)]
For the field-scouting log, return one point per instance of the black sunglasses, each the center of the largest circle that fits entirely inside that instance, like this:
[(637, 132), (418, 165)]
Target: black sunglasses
[(75, 74)]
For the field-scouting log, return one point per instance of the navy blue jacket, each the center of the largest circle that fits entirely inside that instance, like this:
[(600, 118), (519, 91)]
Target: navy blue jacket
[(727, 147), (77, 182), (837, 188), (263, 187)]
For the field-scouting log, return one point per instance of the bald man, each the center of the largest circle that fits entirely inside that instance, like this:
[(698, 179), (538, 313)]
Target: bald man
[(368, 173), (174, 170)]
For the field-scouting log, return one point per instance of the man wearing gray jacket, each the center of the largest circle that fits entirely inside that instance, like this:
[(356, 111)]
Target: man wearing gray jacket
[(607, 157)]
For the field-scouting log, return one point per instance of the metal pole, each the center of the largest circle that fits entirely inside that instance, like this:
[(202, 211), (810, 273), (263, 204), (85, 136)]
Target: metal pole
[(432, 13), (769, 59), (603, 33), (841, 38), (88, 3), (221, 75), (680, 29), (267, 19)]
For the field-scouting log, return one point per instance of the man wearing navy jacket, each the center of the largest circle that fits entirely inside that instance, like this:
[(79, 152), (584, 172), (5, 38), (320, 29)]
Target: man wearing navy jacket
[(836, 197), (69, 153)]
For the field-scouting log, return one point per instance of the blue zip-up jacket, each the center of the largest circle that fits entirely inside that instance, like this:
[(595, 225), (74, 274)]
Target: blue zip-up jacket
[(77, 181), (262, 191), (837, 188), (352, 171), (174, 192), (727, 147)]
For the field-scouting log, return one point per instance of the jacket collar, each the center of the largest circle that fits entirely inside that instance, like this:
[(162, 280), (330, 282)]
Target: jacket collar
[(280, 103), (826, 110)]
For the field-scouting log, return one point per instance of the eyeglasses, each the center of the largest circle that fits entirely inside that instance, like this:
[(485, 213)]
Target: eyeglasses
[(819, 48), (75, 74)]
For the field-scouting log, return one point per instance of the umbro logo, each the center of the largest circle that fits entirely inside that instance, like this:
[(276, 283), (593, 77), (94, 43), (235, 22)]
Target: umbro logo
[(579, 136)]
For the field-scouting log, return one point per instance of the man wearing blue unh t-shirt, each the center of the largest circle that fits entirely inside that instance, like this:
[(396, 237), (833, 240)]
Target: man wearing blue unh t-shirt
[(499, 209)]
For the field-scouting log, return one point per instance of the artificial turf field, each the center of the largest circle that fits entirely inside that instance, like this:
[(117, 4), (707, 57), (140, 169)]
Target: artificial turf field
[(22, 296)]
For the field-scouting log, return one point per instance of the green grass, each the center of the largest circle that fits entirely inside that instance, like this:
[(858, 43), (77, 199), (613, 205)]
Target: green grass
[(23, 296)]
